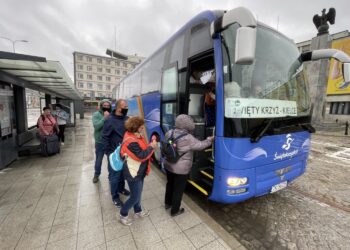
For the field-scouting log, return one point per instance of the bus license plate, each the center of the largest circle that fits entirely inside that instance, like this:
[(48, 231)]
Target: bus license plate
[(278, 186)]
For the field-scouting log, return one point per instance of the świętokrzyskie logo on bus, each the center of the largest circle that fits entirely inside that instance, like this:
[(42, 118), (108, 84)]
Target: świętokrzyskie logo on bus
[(286, 146)]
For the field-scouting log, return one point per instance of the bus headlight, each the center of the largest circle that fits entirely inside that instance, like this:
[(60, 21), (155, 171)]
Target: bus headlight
[(235, 181)]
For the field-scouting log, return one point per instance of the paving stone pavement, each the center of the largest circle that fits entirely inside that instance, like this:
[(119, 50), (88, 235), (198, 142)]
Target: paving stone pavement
[(51, 203), (312, 213)]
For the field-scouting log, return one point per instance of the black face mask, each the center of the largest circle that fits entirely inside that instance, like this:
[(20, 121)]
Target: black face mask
[(106, 109), (124, 111)]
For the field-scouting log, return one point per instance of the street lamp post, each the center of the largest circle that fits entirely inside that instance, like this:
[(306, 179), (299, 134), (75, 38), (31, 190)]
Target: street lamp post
[(14, 42)]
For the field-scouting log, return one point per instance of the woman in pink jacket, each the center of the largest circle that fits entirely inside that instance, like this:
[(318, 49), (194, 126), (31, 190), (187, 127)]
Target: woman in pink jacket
[(47, 123)]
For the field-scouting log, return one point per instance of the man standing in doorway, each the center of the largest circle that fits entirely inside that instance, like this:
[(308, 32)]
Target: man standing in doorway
[(98, 120), (112, 135)]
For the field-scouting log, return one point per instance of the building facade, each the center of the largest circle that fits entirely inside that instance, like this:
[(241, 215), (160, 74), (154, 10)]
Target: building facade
[(95, 76), (336, 106)]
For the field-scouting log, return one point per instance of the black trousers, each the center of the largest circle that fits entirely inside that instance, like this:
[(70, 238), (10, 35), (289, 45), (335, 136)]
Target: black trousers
[(61, 133), (175, 188)]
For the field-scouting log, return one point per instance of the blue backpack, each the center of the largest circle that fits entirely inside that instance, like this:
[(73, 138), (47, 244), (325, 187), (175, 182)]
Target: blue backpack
[(115, 160)]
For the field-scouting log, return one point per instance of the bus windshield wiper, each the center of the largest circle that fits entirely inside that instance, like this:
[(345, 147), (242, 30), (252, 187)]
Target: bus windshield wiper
[(261, 131)]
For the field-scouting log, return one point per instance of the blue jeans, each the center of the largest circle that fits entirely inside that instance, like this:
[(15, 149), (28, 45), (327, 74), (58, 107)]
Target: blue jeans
[(99, 157), (116, 181), (134, 199)]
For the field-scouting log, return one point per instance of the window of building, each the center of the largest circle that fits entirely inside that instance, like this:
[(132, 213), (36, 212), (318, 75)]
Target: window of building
[(124, 73), (99, 60), (99, 86), (117, 63), (89, 59), (99, 78), (108, 62), (117, 71), (339, 108), (80, 76), (108, 87), (99, 69), (81, 85), (89, 77), (89, 85), (80, 57), (80, 67), (108, 70), (108, 78), (89, 68), (125, 65)]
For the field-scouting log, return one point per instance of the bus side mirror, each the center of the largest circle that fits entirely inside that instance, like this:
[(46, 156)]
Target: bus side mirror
[(245, 45), (346, 72)]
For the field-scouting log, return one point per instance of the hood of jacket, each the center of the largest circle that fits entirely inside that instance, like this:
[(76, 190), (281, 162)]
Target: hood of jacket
[(184, 122)]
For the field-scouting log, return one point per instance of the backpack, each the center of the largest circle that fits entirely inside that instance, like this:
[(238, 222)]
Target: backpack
[(169, 149), (43, 118), (115, 160)]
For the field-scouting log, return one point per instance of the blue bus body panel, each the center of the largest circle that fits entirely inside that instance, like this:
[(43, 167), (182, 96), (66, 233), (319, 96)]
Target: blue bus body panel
[(133, 107), (259, 162), (151, 108)]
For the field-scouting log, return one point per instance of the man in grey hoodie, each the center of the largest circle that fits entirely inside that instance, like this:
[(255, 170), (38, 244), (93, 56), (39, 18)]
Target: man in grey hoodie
[(177, 173)]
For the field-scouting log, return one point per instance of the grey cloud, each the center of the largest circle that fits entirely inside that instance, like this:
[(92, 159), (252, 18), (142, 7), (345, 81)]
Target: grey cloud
[(57, 28)]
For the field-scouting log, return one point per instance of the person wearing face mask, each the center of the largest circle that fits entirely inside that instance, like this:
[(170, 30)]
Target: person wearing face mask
[(98, 119), (112, 135)]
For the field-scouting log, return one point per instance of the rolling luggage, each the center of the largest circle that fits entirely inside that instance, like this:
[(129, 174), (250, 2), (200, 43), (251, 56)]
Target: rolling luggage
[(50, 145)]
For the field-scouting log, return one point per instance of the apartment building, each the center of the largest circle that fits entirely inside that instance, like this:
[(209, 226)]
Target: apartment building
[(95, 76)]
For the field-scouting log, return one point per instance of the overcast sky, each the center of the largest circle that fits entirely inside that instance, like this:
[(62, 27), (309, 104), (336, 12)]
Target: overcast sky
[(57, 28)]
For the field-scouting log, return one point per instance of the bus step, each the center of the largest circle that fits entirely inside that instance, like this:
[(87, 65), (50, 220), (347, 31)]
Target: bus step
[(198, 187), (207, 173), (207, 184)]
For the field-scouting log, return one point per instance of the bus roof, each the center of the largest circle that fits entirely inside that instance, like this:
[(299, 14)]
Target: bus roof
[(209, 15)]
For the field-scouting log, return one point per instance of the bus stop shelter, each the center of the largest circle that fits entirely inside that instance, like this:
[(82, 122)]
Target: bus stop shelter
[(27, 84)]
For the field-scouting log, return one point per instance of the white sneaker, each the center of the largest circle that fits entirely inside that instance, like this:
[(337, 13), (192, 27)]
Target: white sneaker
[(142, 214), (125, 220)]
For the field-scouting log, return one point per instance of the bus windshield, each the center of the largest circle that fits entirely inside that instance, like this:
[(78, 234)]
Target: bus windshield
[(273, 87)]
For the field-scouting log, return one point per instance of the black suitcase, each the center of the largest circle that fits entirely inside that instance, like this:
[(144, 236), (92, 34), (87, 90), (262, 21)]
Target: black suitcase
[(50, 145)]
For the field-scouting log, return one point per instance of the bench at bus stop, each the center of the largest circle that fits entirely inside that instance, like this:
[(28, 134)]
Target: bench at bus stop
[(29, 142)]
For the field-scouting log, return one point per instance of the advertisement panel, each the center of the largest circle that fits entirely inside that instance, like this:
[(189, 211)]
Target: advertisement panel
[(336, 84)]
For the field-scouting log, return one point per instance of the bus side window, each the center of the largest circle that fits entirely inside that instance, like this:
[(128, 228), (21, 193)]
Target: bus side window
[(200, 39)]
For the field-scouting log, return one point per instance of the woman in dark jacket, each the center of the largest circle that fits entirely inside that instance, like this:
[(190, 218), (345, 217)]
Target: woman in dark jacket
[(137, 154), (177, 173)]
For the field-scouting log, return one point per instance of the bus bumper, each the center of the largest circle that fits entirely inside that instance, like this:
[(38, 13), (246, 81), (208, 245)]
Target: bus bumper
[(262, 180)]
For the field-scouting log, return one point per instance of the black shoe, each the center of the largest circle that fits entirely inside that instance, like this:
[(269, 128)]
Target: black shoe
[(166, 206), (118, 203), (125, 192), (95, 179), (181, 211)]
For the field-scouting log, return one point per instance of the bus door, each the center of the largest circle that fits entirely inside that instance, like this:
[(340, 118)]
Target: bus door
[(201, 81), (169, 97)]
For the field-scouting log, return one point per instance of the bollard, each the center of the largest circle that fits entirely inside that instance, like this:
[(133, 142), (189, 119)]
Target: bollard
[(346, 127)]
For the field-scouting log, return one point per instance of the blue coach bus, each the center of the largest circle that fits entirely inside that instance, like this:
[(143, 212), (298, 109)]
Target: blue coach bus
[(262, 110)]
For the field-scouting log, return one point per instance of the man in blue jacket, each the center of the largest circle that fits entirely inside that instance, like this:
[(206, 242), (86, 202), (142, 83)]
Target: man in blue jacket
[(112, 135)]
